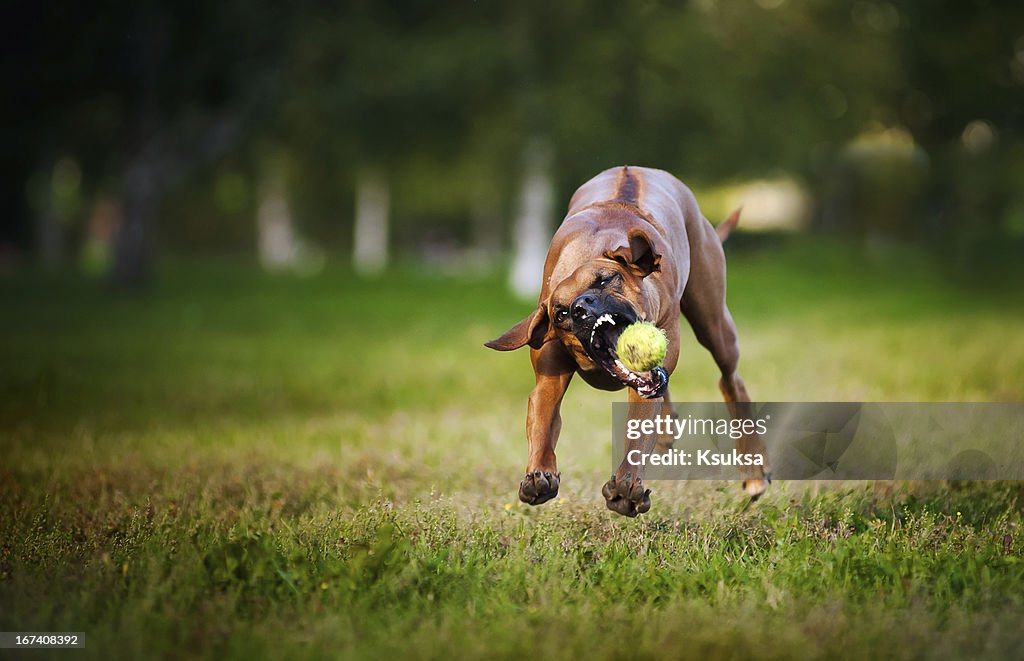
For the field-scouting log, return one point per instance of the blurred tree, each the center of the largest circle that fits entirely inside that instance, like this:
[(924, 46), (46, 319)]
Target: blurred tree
[(433, 107), (143, 95), (383, 86), (276, 239), (963, 101)]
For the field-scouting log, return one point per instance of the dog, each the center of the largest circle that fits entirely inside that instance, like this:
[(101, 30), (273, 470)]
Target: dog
[(633, 246)]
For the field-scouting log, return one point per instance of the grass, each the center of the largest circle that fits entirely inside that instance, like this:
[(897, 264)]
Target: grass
[(238, 465)]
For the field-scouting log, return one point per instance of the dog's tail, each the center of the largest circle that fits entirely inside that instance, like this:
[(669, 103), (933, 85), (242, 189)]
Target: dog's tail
[(726, 228)]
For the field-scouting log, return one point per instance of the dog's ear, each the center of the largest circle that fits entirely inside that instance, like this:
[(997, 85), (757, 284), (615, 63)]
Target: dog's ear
[(639, 255), (533, 331)]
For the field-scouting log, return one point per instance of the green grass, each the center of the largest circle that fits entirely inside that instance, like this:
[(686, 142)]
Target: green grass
[(236, 464)]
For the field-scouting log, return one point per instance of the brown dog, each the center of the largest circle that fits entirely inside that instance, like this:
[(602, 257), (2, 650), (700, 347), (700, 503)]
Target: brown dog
[(634, 246)]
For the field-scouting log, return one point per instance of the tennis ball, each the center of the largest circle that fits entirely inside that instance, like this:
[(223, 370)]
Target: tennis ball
[(642, 346)]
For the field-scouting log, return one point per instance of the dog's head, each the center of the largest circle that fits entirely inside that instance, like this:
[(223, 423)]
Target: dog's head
[(586, 304)]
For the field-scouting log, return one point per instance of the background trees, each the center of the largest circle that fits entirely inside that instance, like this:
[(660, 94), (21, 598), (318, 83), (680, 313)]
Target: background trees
[(901, 121)]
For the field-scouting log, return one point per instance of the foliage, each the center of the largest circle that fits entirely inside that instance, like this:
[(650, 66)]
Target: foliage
[(443, 96)]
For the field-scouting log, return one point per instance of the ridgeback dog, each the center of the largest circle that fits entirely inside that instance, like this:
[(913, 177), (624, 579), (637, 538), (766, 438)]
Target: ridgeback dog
[(633, 246)]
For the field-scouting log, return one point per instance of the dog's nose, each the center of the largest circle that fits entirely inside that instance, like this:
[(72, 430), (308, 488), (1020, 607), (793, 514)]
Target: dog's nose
[(582, 306)]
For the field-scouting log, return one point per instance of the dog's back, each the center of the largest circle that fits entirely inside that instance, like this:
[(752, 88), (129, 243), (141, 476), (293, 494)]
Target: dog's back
[(660, 199)]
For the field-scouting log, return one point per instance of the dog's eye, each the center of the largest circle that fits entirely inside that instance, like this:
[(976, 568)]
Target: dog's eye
[(561, 314), (605, 280)]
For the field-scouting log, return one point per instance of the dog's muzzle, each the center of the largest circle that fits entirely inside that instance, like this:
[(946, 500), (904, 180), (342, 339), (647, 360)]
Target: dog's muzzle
[(597, 321)]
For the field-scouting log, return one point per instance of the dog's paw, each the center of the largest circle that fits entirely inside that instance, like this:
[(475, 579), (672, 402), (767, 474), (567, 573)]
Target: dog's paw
[(626, 496), (756, 487), (538, 487)]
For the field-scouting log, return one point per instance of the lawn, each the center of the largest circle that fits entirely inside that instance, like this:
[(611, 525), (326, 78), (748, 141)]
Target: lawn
[(235, 464)]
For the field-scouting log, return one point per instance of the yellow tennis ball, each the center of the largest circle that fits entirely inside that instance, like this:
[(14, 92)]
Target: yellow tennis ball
[(642, 346)]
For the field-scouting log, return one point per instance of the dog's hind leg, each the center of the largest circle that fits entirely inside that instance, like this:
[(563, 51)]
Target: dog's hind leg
[(704, 307)]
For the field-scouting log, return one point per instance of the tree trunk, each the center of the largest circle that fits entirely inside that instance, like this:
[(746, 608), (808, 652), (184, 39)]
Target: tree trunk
[(274, 229), (49, 235), (133, 250), (533, 222), (485, 216), (370, 245)]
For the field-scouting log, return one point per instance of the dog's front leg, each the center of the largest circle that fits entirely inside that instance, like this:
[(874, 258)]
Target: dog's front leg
[(625, 492), (553, 368)]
